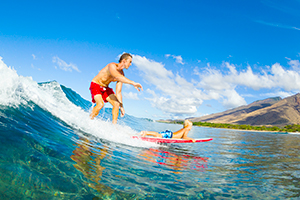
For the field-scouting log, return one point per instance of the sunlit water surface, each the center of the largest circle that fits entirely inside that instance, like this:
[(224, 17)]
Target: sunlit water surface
[(50, 149)]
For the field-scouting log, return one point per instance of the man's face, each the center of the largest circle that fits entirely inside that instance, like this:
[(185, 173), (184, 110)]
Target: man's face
[(128, 62)]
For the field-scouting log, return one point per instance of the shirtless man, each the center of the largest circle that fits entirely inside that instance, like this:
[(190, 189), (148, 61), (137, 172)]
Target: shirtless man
[(102, 93)]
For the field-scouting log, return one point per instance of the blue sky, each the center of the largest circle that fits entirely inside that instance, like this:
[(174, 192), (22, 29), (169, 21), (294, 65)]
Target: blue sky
[(192, 57)]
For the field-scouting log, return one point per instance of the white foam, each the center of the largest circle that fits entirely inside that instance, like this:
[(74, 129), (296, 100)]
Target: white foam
[(16, 90), (294, 133)]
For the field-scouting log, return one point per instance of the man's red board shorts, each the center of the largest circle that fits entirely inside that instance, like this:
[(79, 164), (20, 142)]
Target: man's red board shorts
[(97, 89)]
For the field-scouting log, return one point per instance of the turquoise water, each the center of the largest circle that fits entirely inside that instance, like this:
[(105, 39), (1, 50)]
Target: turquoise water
[(51, 150)]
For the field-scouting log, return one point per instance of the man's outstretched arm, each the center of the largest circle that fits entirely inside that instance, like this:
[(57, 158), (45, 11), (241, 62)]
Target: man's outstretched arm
[(121, 78)]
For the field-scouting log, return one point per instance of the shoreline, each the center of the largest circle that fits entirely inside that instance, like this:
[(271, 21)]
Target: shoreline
[(251, 130), (238, 129)]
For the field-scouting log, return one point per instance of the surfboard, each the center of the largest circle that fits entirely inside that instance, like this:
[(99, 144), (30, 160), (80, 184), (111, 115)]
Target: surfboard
[(170, 140)]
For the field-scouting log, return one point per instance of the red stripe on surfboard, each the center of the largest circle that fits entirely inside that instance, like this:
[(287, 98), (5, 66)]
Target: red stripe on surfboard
[(166, 140)]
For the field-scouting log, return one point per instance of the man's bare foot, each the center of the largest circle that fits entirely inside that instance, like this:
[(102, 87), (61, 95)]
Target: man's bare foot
[(92, 116)]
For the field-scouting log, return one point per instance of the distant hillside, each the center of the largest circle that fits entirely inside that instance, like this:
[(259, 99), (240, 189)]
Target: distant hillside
[(272, 111)]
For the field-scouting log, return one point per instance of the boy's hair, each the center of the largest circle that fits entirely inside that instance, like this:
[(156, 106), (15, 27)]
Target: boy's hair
[(187, 123), (124, 56)]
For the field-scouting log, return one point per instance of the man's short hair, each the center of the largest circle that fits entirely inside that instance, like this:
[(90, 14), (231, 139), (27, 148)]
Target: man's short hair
[(125, 56)]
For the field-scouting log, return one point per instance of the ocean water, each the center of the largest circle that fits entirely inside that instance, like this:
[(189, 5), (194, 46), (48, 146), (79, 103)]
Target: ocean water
[(50, 149)]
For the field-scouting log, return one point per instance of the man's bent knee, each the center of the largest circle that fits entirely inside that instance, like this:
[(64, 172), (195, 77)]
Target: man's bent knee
[(99, 106), (99, 100), (112, 99)]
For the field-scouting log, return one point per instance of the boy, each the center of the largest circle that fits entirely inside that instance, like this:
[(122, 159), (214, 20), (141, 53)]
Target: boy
[(180, 134)]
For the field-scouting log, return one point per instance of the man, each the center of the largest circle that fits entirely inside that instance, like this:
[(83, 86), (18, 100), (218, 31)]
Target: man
[(102, 93)]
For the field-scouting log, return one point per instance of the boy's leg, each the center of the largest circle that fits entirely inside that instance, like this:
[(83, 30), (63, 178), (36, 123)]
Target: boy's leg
[(182, 134), (185, 133), (98, 107), (112, 99)]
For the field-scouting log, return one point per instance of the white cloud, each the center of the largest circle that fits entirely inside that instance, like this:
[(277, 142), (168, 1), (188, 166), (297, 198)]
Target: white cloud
[(278, 25), (130, 95), (213, 80), (225, 84), (232, 99), (276, 77), (295, 64), (292, 8), (34, 57), (63, 65), (281, 94), (152, 67), (175, 94), (178, 59), (176, 106), (33, 67), (151, 92)]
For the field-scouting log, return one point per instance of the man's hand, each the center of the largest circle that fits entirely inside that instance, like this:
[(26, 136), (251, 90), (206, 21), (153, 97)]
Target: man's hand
[(138, 86)]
